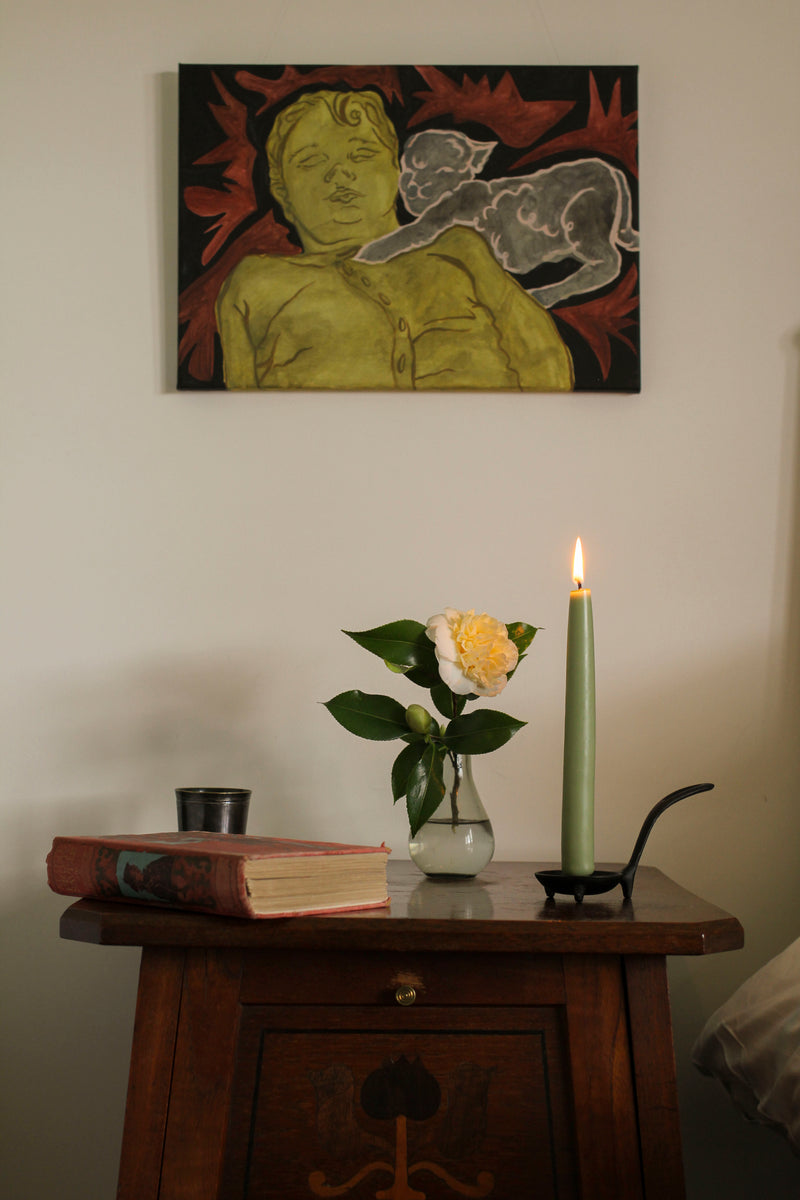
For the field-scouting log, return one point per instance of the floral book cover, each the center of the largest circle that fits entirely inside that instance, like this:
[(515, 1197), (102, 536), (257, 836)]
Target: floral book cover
[(408, 228)]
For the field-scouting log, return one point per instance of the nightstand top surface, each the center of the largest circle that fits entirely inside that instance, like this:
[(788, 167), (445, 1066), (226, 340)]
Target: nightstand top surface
[(503, 910)]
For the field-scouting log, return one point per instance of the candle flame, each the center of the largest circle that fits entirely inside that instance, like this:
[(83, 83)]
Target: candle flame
[(577, 564)]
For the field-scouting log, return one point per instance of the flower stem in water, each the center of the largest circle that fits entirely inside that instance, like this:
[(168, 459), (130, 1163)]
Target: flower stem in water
[(457, 773)]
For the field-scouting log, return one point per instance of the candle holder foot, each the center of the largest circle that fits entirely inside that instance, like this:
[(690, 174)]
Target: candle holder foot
[(562, 884), (559, 883)]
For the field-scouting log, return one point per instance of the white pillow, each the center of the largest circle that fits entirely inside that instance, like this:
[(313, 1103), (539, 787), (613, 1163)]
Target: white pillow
[(752, 1045)]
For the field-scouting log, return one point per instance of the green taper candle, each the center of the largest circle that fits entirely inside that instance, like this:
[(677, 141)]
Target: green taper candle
[(577, 811)]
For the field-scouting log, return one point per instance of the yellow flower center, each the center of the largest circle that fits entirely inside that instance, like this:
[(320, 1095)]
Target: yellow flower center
[(485, 652)]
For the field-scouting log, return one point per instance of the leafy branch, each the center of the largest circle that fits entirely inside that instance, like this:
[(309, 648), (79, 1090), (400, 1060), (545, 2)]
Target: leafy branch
[(418, 770)]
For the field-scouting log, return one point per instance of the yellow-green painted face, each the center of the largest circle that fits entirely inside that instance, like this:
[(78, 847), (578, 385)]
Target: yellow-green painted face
[(341, 182)]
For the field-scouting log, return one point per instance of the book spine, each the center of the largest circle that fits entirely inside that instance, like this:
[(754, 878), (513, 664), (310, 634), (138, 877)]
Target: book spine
[(68, 869), (199, 882)]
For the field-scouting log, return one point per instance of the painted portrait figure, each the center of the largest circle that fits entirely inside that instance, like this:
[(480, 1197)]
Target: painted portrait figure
[(442, 316), (344, 228)]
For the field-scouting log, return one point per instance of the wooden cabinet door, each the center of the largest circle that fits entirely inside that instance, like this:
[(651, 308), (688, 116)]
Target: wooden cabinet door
[(404, 1104)]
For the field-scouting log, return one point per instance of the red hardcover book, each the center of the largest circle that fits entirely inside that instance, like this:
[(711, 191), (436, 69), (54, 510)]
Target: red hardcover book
[(227, 874)]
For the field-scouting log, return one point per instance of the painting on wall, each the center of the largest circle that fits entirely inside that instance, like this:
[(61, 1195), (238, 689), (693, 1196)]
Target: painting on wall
[(408, 228)]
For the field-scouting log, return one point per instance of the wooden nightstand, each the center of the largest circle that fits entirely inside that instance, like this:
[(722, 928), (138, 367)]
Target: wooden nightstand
[(471, 1040)]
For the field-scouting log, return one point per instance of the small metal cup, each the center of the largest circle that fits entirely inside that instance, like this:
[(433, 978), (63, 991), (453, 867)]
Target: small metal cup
[(214, 810)]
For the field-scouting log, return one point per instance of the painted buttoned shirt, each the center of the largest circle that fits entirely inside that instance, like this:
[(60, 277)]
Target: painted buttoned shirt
[(443, 316)]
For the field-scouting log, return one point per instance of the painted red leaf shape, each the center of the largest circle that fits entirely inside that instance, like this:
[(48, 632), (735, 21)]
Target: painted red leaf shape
[(603, 318), (231, 205), (236, 150), (516, 121), (196, 307), (604, 133), (274, 90)]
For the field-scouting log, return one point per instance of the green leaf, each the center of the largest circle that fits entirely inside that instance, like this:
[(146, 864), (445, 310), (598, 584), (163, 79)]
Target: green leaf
[(425, 677), (379, 718), (480, 732), (521, 635), (425, 788), (403, 765), (403, 643), (448, 703)]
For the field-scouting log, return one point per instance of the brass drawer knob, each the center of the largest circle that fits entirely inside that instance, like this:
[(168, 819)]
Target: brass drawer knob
[(405, 995)]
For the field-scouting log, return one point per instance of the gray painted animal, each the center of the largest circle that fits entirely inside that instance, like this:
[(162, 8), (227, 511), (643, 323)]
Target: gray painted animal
[(578, 210)]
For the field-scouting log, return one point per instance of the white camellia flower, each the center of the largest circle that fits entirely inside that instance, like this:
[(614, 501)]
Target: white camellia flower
[(474, 653)]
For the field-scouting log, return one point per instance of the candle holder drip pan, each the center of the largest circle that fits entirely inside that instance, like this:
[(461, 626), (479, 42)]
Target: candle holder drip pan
[(559, 883)]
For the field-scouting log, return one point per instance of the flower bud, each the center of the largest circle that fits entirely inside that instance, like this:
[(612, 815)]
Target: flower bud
[(419, 720)]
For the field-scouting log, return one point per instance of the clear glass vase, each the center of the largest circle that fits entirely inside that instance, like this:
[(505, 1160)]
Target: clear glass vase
[(457, 842)]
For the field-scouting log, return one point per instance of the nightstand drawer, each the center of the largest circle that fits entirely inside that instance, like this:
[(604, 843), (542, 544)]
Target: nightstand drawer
[(401, 979), (426, 1101)]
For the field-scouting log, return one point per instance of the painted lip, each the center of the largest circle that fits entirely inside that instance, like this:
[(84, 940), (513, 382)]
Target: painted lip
[(345, 196)]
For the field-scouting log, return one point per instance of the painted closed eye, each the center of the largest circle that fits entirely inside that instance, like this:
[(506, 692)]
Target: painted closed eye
[(364, 153), (311, 160)]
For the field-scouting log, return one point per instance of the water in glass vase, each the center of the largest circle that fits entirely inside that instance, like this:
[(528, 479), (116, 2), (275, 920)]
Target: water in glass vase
[(457, 842)]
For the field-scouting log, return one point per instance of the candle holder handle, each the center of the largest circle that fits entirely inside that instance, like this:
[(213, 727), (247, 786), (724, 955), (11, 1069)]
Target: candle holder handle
[(629, 871), (603, 881)]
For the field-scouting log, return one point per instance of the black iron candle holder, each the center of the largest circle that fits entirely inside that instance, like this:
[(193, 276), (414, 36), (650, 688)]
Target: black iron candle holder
[(559, 883)]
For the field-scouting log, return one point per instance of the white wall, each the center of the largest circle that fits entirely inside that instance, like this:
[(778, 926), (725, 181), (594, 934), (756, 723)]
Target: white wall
[(177, 567)]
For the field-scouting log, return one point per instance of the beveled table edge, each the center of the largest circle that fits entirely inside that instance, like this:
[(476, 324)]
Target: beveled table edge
[(503, 910)]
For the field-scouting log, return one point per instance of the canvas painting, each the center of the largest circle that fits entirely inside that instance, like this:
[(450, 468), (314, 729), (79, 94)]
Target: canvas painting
[(408, 228)]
